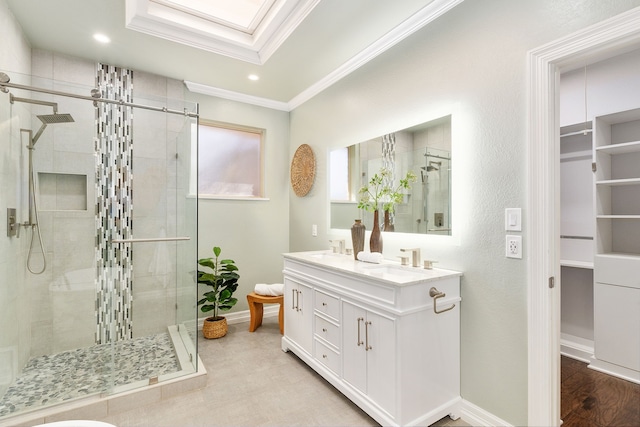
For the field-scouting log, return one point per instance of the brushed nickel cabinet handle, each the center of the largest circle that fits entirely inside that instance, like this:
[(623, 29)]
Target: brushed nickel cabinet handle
[(367, 347), (359, 340), (293, 299)]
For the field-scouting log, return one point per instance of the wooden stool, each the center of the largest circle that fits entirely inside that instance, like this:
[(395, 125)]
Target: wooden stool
[(256, 309)]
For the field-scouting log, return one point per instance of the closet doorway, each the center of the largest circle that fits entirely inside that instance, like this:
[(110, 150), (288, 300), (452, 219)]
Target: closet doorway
[(600, 143), (615, 36)]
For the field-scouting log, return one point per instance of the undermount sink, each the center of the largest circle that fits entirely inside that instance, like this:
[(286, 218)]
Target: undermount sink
[(321, 255), (395, 271)]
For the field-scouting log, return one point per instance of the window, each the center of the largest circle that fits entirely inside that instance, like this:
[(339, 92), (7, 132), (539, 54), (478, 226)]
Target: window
[(339, 174), (229, 160)]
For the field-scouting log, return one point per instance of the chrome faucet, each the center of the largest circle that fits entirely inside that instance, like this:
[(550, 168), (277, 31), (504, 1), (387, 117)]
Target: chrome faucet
[(340, 243), (415, 255)]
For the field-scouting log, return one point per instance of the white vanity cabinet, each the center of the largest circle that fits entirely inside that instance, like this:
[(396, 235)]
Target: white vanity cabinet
[(298, 312), (375, 336)]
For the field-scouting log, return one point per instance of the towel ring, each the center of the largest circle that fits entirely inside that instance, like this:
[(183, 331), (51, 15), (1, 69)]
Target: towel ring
[(435, 294)]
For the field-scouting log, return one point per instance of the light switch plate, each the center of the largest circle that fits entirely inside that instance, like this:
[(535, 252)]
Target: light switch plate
[(513, 219)]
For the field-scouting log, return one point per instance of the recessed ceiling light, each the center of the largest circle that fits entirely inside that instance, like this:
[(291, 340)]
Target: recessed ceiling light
[(253, 77), (101, 38)]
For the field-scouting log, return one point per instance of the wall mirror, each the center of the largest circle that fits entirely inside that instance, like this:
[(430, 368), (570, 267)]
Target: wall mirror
[(424, 149)]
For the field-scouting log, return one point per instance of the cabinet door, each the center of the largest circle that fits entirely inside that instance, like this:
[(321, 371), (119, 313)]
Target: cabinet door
[(354, 365), (381, 360), (369, 354), (298, 313), (617, 325)]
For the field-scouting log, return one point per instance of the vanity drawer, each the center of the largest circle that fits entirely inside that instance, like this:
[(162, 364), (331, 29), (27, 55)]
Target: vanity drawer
[(328, 331), (327, 304), (327, 356)]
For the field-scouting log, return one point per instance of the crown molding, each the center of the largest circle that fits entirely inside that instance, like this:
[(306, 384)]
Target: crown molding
[(236, 96), (417, 21)]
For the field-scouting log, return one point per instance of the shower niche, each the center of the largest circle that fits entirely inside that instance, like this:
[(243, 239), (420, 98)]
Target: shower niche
[(62, 191)]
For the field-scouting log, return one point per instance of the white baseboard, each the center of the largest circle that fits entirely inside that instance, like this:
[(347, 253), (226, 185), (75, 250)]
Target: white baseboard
[(477, 416), (270, 310), (576, 348), (615, 370)]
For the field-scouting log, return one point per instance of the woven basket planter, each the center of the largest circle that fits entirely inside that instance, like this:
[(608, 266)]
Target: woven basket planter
[(214, 327)]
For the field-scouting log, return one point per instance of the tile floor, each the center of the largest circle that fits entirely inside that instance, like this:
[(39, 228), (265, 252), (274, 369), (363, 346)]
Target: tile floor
[(52, 379), (251, 382)]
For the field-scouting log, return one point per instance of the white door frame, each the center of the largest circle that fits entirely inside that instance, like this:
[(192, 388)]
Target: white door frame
[(597, 42)]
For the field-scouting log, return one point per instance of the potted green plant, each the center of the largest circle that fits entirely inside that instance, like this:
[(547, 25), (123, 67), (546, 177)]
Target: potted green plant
[(222, 276), (378, 193)]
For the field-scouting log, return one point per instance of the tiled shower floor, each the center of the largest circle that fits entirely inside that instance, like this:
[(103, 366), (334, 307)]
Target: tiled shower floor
[(46, 380)]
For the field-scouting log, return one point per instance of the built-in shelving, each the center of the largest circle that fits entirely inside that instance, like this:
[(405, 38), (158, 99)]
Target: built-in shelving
[(577, 227), (576, 187), (617, 259)]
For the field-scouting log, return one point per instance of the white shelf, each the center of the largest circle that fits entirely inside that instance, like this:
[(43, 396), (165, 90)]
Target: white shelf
[(582, 129), (576, 264), (618, 216), (620, 255), (577, 155), (622, 148), (616, 182)]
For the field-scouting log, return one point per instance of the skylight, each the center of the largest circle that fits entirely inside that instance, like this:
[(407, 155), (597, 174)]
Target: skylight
[(249, 30), (243, 15)]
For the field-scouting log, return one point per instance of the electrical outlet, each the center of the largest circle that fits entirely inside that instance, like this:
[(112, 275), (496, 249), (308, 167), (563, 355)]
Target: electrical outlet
[(314, 230), (514, 247)]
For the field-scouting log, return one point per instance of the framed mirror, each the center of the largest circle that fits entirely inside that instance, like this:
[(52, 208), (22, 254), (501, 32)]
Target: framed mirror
[(424, 149)]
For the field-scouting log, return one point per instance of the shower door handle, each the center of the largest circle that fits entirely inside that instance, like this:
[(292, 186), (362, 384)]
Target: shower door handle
[(156, 239)]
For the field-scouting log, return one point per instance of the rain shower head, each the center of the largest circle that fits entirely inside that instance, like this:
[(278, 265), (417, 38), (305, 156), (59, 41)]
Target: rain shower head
[(50, 119)]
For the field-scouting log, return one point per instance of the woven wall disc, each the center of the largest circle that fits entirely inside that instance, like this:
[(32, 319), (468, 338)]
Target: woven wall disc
[(303, 170)]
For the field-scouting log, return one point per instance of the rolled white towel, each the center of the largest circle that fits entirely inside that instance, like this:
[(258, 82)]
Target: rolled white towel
[(272, 290), (373, 257)]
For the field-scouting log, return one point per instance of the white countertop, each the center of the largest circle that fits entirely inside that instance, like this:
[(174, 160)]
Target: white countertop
[(390, 272)]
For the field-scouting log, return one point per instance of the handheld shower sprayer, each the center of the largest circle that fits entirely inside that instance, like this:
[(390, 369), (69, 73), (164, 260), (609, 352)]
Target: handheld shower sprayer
[(46, 119)]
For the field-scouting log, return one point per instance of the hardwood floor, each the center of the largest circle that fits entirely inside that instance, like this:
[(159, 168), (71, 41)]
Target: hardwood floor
[(593, 399)]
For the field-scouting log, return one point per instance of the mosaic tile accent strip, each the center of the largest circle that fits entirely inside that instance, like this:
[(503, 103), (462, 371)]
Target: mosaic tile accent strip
[(51, 379), (389, 163), (114, 206)]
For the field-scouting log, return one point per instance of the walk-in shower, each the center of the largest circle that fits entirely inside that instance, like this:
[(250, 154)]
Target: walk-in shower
[(99, 174)]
